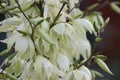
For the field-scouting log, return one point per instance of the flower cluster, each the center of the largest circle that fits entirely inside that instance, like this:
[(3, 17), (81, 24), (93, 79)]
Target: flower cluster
[(47, 38)]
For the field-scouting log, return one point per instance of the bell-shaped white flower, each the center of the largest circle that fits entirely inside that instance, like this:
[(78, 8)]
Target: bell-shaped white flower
[(57, 31), (87, 71), (82, 26), (43, 67), (28, 72), (82, 74), (27, 50), (9, 24), (16, 67), (46, 35), (84, 48), (21, 44), (63, 62), (87, 25)]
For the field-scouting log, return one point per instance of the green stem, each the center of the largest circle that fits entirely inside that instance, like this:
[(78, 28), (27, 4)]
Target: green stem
[(23, 13), (85, 62), (32, 35), (58, 15)]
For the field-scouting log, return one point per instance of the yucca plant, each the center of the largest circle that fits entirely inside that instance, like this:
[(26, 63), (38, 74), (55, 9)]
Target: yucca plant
[(47, 38)]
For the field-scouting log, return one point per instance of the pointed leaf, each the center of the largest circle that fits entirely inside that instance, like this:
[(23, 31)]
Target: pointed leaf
[(92, 6), (96, 73), (103, 66), (114, 7)]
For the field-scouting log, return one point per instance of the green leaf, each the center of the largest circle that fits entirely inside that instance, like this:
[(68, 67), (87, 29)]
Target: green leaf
[(75, 63), (96, 73), (48, 19), (95, 26), (100, 20), (114, 7), (103, 65), (92, 6), (22, 32), (98, 39), (103, 57)]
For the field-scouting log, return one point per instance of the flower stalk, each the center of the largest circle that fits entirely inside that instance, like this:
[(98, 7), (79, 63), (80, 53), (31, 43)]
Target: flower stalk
[(58, 15), (50, 41)]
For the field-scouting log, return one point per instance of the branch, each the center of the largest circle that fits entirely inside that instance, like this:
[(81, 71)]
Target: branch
[(58, 15), (23, 13)]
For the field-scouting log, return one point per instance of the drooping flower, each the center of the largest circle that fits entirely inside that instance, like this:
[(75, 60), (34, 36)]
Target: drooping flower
[(47, 37), (82, 74)]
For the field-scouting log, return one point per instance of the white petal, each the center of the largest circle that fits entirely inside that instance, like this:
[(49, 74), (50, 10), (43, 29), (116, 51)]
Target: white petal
[(69, 76), (84, 48), (43, 63), (9, 24), (63, 62), (86, 71), (21, 44), (47, 66), (87, 24), (77, 75), (59, 28), (11, 39), (31, 48), (45, 14), (45, 36)]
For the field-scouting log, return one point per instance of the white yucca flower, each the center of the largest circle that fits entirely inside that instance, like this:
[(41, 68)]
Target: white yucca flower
[(45, 42), (16, 67), (43, 67), (63, 62), (9, 24), (18, 39), (84, 48), (28, 71), (82, 74), (82, 26)]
